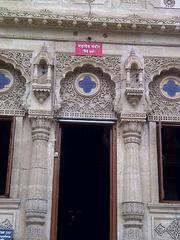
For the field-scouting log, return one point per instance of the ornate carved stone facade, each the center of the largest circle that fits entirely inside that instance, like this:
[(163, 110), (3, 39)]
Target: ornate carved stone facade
[(44, 84)]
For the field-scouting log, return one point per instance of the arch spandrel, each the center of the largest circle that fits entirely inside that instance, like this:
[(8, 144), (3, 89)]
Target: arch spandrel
[(99, 105)]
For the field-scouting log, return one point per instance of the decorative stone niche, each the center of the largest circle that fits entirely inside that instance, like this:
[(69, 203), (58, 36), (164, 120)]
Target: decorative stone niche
[(42, 75), (134, 79)]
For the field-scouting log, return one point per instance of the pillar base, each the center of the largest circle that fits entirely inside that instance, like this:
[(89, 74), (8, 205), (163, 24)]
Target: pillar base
[(133, 213)]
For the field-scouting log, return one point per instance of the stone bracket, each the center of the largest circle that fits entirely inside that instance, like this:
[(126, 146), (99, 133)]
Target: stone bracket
[(41, 92), (134, 95)]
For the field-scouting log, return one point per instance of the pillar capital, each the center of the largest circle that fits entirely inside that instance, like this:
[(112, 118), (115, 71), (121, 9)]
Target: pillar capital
[(133, 210), (132, 132), (40, 128), (41, 122)]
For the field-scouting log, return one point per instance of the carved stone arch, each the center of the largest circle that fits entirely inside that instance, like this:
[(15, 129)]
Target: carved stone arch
[(133, 59), (12, 99), (158, 72), (43, 55), (16, 65), (164, 68), (20, 62), (130, 61), (93, 63), (97, 102), (107, 65)]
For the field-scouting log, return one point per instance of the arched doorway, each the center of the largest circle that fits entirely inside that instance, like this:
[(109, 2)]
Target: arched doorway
[(84, 187)]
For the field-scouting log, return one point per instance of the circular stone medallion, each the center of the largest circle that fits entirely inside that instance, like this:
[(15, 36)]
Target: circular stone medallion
[(169, 3), (6, 80), (170, 87), (87, 84)]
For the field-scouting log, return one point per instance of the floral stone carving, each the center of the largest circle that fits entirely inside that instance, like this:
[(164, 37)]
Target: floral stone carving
[(101, 103)]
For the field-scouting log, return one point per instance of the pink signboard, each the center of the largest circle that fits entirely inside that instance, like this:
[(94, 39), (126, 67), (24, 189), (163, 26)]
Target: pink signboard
[(89, 48)]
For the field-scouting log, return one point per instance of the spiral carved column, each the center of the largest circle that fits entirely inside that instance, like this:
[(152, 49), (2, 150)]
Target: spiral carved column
[(36, 202), (132, 206)]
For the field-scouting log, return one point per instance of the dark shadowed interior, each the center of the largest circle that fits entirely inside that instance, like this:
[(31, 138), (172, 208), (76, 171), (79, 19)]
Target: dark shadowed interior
[(171, 162), (84, 195), (5, 130)]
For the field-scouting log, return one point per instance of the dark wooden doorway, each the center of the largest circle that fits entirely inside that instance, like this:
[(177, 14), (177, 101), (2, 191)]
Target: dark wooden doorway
[(84, 186)]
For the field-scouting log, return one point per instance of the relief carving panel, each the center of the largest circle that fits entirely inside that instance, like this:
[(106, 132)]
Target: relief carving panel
[(99, 105), (164, 221)]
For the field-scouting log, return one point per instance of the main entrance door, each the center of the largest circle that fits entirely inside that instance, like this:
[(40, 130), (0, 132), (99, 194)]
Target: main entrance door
[(84, 190)]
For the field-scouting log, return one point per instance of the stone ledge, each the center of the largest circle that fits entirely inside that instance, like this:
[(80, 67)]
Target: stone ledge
[(164, 208), (7, 203), (46, 18)]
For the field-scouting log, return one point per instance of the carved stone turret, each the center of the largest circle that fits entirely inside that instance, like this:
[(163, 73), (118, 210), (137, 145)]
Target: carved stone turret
[(134, 79), (42, 75)]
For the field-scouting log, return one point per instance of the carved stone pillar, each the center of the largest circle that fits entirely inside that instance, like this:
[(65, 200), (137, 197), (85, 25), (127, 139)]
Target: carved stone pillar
[(128, 78), (132, 207), (49, 74), (35, 72), (36, 202)]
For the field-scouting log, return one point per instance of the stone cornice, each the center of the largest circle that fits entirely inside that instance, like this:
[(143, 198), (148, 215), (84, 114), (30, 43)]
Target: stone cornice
[(46, 18)]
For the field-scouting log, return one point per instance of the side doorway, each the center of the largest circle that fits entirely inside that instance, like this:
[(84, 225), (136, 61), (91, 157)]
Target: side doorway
[(84, 184)]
